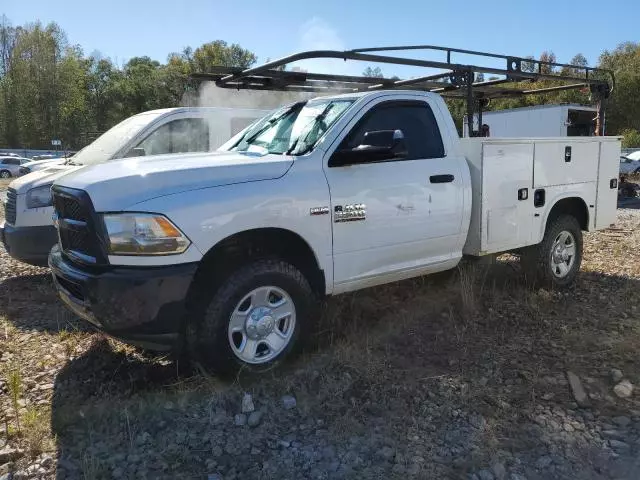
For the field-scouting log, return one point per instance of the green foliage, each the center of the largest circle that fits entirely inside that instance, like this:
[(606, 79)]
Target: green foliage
[(50, 89), (631, 138), (14, 384)]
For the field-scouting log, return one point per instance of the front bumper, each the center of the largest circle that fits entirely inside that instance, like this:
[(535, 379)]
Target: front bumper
[(143, 306), (29, 244)]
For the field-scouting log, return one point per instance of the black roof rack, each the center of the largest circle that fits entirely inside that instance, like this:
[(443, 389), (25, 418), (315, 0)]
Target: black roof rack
[(455, 80)]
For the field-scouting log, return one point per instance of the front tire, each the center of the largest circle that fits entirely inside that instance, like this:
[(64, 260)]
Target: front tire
[(256, 319), (5, 174), (556, 260)]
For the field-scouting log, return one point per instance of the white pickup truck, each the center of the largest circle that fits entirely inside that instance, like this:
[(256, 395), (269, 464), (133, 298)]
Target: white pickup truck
[(28, 232), (226, 253)]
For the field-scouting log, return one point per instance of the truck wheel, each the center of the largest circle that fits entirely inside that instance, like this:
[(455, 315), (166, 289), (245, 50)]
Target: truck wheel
[(258, 317), (5, 174), (556, 260)]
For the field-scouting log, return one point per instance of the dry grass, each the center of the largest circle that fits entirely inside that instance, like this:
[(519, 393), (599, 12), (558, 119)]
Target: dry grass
[(415, 354)]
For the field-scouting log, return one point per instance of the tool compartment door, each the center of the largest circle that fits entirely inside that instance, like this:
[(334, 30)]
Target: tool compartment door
[(608, 170), (507, 169), (565, 162)]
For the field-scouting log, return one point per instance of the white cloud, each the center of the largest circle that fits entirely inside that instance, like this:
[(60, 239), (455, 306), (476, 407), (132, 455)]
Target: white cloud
[(317, 34)]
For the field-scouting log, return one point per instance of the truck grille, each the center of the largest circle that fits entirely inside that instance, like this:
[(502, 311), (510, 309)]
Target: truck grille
[(76, 223), (10, 206)]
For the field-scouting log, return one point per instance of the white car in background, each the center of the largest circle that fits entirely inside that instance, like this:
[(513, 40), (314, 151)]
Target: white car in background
[(10, 166), (28, 232), (630, 163), (36, 165)]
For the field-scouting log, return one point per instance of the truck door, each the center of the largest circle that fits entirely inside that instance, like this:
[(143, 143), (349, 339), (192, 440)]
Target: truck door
[(393, 218)]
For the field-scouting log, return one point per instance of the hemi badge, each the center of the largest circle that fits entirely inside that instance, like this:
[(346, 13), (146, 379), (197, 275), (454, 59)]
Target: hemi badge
[(319, 211)]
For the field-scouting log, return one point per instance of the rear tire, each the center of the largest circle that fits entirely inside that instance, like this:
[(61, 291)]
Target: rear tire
[(5, 174), (256, 319), (555, 261)]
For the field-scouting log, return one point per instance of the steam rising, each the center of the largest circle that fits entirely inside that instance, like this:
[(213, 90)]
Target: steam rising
[(211, 96), (314, 34)]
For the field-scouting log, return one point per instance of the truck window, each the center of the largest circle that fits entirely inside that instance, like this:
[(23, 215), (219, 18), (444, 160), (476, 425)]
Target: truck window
[(179, 136), (415, 119)]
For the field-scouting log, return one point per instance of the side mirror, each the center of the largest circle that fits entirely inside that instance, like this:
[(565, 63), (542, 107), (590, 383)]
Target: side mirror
[(135, 152), (376, 146)]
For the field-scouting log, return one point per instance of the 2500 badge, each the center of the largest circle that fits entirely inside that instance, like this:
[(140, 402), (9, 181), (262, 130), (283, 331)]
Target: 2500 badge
[(350, 213)]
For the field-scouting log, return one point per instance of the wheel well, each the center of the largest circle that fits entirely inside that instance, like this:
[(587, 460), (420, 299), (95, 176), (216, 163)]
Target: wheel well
[(241, 248), (573, 206)]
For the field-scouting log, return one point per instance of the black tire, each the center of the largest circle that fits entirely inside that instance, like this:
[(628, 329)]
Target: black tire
[(5, 174), (536, 260), (207, 336)]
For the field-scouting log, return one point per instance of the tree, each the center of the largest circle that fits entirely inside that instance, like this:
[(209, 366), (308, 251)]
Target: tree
[(578, 60), (373, 72), (219, 53), (528, 66), (623, 108), (631, 138), (549, 57)]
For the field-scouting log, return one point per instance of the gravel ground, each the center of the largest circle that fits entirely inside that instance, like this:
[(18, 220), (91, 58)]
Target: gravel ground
[(462, 375)]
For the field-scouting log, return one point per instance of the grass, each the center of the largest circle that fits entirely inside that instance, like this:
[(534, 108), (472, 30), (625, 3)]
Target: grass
[(476, 340), (14, 384)]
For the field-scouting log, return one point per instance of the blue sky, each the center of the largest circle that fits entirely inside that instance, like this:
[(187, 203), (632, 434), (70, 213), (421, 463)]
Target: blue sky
[(122, 29)]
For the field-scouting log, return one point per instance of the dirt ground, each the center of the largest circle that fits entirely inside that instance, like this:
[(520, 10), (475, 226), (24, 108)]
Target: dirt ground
[(460, 375)]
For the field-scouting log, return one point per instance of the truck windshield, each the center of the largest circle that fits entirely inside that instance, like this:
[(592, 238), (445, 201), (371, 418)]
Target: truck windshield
[(107, 144), (293, 130)]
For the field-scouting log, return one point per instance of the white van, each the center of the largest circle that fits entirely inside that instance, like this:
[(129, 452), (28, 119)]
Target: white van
[(28, 232), (563, 120)]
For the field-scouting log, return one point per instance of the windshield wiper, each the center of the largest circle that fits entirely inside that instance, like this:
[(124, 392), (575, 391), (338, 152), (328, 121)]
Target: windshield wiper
[(318, 118), (266, 126)]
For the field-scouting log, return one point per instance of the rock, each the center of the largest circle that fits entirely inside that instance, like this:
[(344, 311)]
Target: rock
[(613, 434), (240, 420), (289, 402), (477, 421), (254, 419), (328, 452), (413, 469), (387, 453), (622, 421), (483, 381), (485, 475), (543, 462), (623, 389), (247, 403), (577, 389), (548, 396), (616, 375), (214, 476), (46, 461), (9, 454), (619, 445), (499, 470), (117, 472), (517, 476)]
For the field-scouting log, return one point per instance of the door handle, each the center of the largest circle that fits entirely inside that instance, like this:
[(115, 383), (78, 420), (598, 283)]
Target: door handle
[(448, 178)]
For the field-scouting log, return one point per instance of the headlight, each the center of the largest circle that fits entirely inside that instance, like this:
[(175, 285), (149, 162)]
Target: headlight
[(143, 234), (39, 197)]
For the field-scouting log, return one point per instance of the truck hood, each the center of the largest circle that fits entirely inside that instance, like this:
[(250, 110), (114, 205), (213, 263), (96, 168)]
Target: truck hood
[(41, 177), (119, 184)]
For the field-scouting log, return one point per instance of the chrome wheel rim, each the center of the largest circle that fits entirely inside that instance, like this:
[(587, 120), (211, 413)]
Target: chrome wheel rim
[(262, 325), (4, 174), (563, 254)]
